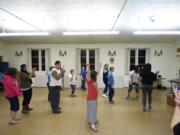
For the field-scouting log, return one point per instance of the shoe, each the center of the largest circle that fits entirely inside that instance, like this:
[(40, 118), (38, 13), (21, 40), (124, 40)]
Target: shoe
[(59, 108), (104, 95), (144, 109), (29, 109), (111, 102), (25, 111), (149, 108), (13, 122), (126, 97), (93, 128), (56, 112)]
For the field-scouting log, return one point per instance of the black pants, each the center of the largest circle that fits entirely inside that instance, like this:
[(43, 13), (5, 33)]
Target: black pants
[(73, 87), (136, 86), (14, 103), (147, 90), (48, 92), (176, 129), (105, 89), (83, 84), (55, 97), (111, 93), (27, 95)]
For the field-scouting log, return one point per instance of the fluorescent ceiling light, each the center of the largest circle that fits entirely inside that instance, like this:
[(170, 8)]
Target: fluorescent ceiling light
[(156, 33), (92, 33), (24, 34)]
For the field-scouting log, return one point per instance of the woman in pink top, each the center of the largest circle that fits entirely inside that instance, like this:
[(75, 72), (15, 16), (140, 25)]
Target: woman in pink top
[(11, 92)]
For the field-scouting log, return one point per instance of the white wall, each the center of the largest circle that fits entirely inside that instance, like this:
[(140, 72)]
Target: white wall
[(1, 49), (167, 63)]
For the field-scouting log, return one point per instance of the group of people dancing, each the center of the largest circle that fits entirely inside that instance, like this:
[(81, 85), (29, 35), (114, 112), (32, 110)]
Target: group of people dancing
[(20, 84)]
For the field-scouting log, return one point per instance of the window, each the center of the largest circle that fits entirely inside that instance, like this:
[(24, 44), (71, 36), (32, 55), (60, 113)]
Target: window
[(136, 56), (88, 56), (38, 59)]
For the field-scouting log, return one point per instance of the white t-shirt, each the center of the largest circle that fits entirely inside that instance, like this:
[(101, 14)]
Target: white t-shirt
[(53, 81), (135, 76), (72, 79)]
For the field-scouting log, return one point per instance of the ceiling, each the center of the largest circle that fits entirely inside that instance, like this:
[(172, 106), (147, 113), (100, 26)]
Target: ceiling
[(57, 16)]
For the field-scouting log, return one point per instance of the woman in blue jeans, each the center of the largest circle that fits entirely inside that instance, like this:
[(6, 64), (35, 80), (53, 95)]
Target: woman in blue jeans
[(147, 78)]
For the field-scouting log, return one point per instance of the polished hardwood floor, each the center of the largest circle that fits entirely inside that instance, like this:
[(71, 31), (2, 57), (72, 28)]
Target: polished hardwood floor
[(125, 117)]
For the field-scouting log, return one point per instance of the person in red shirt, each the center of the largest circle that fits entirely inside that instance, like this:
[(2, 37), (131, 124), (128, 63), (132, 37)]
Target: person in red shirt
[(11, 92), (92, 97)]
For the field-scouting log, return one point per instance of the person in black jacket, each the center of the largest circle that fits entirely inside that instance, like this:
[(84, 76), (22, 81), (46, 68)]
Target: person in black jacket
[(105, 80), (147, 78)]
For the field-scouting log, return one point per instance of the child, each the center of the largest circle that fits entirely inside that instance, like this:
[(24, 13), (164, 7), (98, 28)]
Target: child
[(73, 79), (134, 81), (92, 98), (11, 92), (83, 78), (111, 84)]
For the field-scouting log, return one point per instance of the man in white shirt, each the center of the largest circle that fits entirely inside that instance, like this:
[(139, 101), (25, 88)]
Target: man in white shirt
[(134, 81), (55, 87)]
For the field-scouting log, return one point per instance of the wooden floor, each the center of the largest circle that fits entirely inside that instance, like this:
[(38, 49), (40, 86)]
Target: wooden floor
[(125, 117)]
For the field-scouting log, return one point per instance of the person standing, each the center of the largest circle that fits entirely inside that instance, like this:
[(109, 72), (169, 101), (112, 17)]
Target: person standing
[(147, 78), (55, 87), (92, 97), (134, 81), (105, 80), (83, 78), (25, 84), (11, 92), (49, 80), (111, 85), (73, 79)]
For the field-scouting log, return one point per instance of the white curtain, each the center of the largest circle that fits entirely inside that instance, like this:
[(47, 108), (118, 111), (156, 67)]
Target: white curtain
[(47, 59), (126, 60), (29, 62), (148, 52), (97, 62), (78, 63)]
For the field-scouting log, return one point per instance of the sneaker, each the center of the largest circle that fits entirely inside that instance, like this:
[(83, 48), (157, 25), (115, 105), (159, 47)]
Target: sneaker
[(111, 102), (29, 109), (93, 128), (144, 109), (57, 112), (104, 95), (126, 97), (149, 108), (25, 111), (13, 122)]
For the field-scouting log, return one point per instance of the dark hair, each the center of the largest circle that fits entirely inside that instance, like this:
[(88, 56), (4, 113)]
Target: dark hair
[(94, 75), (111, 68), (136, 69), (23, 66), (57, 62), (71, 71), (147, 67), (11, 72)]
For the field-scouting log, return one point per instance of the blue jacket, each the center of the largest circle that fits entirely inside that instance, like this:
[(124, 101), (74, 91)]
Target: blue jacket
[(83, 74), (110, 79)]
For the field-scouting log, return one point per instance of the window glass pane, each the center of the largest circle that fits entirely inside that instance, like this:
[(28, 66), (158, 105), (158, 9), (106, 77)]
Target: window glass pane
[(43, 53), (132, 53), (132, 67), (35, 58), (132, 60), (91, 60), (142, 53), (141, 60), (92, 53), (83, 53)]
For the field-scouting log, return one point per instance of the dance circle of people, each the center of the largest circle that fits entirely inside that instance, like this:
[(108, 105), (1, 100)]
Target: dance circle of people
[(19, 83)]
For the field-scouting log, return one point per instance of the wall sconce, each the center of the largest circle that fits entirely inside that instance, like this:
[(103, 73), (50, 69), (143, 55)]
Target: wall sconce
[(18, 54), (112, 53), (61, 53), (158, 53)]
